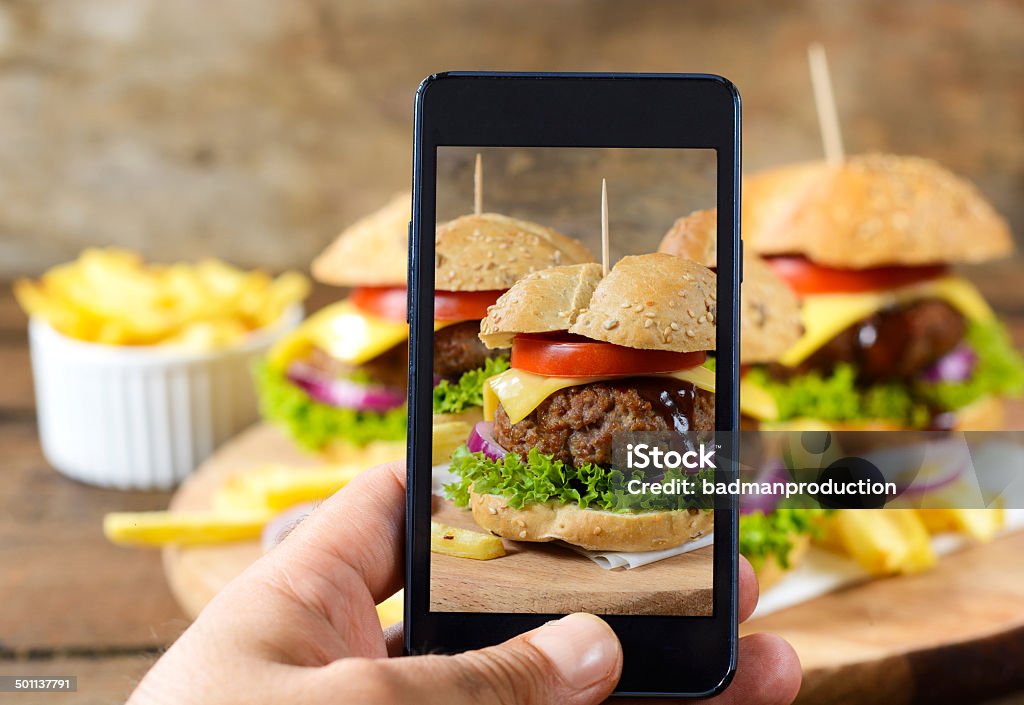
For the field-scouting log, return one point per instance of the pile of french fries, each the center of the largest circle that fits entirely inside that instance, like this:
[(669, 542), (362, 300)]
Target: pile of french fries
[(111, 296), (898, 541)]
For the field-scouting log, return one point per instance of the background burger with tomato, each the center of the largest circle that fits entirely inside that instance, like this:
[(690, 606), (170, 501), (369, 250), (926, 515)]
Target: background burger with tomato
[(773, 538), (338, 383), (769, 309), (893, 338), (591, 358)]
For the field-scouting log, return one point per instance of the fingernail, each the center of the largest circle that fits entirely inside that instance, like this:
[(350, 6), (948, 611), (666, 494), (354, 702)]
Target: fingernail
[(582, 648)]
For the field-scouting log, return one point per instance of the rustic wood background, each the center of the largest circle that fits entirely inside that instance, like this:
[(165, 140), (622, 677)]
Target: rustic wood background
[(561, 188), (256, 129)]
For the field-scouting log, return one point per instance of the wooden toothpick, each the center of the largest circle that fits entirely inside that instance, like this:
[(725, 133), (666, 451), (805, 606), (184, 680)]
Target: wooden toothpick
[(604, 227), (825, 102), (478, 186)]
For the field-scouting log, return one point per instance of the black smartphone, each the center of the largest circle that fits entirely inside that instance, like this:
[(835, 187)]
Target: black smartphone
[(552, 348)]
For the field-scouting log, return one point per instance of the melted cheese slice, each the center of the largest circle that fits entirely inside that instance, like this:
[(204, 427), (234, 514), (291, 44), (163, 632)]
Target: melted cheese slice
[(826, 315), (521, 392), (346, 333), (756, 402)]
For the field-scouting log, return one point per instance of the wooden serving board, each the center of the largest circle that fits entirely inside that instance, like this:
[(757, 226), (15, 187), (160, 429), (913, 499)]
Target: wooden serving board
[(955, 633), (549, 578), (197, 573)]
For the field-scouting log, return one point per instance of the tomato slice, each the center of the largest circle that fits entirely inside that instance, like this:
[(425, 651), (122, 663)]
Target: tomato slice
[(463, 305), (386, 302), (805, 277), (389, 302), (565, 355)]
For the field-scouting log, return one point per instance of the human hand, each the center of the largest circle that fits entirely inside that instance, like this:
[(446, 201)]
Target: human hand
[(300, 626)]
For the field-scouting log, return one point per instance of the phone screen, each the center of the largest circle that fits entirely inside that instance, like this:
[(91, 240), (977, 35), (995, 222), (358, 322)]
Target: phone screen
[(574, 382)]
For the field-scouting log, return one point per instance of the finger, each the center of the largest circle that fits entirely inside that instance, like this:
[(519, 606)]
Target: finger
[(749, 590), (394, 638), (360, 528), (574, 661), (768, 673)]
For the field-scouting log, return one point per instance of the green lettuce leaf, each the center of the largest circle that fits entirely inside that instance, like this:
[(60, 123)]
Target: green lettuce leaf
[(765, 536), (455, 397), (999, 370), (313, 425), (540, 478), (837, 397)]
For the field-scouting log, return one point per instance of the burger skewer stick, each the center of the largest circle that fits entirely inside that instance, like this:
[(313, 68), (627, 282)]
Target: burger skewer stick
[(478, 186), (605, 258), (825, 102)]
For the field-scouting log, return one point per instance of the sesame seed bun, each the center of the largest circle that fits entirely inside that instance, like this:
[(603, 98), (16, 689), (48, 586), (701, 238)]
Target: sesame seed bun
[(769, 309), (373, 251), (650, 302), (592, 529), (653, 302), (871, 211), (491, 251), (555, 297)]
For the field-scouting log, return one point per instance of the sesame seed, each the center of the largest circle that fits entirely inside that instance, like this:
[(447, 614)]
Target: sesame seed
[(650, 314), (701, 319), (689, 332), (610, 324), (689, 312), (673, 325), (639, 308), (648, 323), (492, 510), (522, 534), (597, 530)]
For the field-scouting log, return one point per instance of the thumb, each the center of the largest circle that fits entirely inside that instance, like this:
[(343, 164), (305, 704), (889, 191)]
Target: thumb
[(573, 661)]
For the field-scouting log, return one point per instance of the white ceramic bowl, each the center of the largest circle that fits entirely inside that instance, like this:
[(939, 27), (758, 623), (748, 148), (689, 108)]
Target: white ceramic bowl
[(141, 417)]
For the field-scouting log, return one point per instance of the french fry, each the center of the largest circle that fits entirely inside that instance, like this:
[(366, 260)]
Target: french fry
[(156, 529), (920, 555), (884, 541), (979, 524), (463, 543), (392, 610), (110, 296), (276, 487), (446, 437)]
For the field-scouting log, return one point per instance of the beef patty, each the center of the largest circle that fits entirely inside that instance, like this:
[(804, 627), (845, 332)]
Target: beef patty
[(390, 368), (458, 349), (893, 344), (576, 425)]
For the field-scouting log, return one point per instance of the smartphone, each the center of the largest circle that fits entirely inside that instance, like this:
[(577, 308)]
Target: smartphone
[(552, 348)]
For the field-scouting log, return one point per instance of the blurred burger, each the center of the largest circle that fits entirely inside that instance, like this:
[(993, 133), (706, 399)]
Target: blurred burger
[(477, 258), (892, 337), (590, 358), (338, 383), (769, 310), (774, 539)]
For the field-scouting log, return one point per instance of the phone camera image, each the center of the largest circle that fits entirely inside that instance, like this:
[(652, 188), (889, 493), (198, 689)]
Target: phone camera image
[(566, 347)]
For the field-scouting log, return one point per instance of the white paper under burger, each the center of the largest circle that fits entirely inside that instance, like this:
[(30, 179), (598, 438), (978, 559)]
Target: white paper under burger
[(141, 417)]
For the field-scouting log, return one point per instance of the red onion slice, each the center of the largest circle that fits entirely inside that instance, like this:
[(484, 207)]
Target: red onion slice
[(766, 503), (955, 366), (344, 393), (481, 439)]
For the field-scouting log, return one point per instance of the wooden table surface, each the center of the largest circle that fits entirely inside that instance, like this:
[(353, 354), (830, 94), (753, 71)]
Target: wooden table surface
[(71, 603)]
